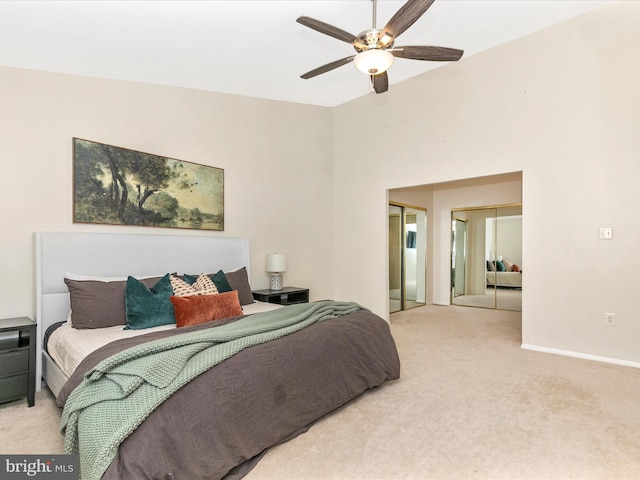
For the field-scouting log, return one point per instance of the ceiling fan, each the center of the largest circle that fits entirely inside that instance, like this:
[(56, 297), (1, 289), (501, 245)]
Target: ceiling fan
[(375, 47)]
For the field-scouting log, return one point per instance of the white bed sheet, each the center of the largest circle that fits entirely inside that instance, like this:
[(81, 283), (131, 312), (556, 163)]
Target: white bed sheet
[(68, 346)]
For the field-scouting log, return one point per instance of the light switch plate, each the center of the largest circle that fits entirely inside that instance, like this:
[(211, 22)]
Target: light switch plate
[(606, 233)]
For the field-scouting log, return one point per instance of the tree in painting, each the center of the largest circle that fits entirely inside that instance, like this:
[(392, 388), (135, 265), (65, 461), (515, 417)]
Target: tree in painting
[(119, 186)]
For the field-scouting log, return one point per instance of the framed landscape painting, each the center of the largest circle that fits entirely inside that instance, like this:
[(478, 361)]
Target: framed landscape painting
[(117, 186)]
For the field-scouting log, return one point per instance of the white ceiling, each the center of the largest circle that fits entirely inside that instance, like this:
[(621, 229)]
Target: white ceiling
[(252, 48)]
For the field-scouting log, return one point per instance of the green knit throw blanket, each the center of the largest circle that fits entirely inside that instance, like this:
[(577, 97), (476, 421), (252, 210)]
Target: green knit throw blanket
[(121, 391)]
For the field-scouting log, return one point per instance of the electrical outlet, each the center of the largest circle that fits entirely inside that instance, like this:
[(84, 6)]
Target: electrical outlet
[(610, 319)]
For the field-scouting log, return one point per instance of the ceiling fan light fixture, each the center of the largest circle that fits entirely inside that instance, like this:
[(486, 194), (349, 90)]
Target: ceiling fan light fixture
[(374, 61)]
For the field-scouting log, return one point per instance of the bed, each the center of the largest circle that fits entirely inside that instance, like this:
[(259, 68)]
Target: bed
[(502, 273), (218, 421), (504, 279)]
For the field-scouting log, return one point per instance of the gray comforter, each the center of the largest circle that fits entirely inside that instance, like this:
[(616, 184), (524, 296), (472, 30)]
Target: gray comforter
[(220, 424)]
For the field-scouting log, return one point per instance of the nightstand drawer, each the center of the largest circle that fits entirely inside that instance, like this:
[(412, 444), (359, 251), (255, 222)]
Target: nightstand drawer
[(14, 362), (13, 387)]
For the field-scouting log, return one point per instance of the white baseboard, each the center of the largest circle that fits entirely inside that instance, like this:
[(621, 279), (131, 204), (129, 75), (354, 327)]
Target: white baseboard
[(585, 356)]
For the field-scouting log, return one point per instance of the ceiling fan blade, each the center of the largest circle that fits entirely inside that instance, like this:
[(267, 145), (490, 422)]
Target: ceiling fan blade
[(380, 82), (406, 16), (434, 54), (327, 29), (326, 68)]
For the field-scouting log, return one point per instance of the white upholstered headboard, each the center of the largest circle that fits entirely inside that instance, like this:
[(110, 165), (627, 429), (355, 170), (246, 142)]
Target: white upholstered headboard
[(119, 255)]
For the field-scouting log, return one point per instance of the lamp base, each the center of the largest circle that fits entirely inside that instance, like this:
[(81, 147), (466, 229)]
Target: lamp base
[(276, 281)]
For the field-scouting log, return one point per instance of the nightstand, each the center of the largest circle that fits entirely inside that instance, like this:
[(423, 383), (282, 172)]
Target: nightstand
[(286, 296), (17, 359)]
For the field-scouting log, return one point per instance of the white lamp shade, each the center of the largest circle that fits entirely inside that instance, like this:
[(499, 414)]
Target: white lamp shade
[(276, 262), (374, 61)]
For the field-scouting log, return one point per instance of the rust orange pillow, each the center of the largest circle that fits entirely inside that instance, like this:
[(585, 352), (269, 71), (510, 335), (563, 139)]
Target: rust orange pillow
[(204, 308)]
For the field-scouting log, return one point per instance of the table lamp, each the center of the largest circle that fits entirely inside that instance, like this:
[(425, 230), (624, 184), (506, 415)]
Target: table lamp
[(276, 264)]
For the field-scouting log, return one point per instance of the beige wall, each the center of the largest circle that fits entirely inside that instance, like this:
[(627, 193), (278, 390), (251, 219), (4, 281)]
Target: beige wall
[(563, 107), (277, 169)]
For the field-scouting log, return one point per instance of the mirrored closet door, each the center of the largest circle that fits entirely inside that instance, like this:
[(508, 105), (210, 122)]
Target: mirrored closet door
[(407, 257), (486, 257)]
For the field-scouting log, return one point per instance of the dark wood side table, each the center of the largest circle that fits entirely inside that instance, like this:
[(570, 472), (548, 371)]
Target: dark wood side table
[(17, 359), (286, 296)]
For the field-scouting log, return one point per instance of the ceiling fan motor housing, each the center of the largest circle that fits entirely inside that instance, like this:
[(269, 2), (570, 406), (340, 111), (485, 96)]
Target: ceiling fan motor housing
[(373, 38)]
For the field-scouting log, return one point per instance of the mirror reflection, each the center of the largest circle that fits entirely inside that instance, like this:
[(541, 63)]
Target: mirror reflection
[(395, 258), (407, 257), (486, 257)]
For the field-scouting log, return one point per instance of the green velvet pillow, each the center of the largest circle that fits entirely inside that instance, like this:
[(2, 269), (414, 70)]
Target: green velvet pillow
[(148, 307), (219, 280), (500, 266)]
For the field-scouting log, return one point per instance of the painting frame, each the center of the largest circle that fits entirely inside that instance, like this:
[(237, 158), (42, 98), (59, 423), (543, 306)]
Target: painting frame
[(120, 186)]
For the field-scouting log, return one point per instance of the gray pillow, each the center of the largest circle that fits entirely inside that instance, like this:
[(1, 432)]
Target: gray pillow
[(97, 304), (239, 280)]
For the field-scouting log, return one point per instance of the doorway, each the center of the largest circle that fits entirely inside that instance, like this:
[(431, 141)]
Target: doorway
[(407, 257)]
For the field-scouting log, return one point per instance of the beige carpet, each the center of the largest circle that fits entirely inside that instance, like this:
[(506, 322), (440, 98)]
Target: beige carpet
[(470, 405)]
